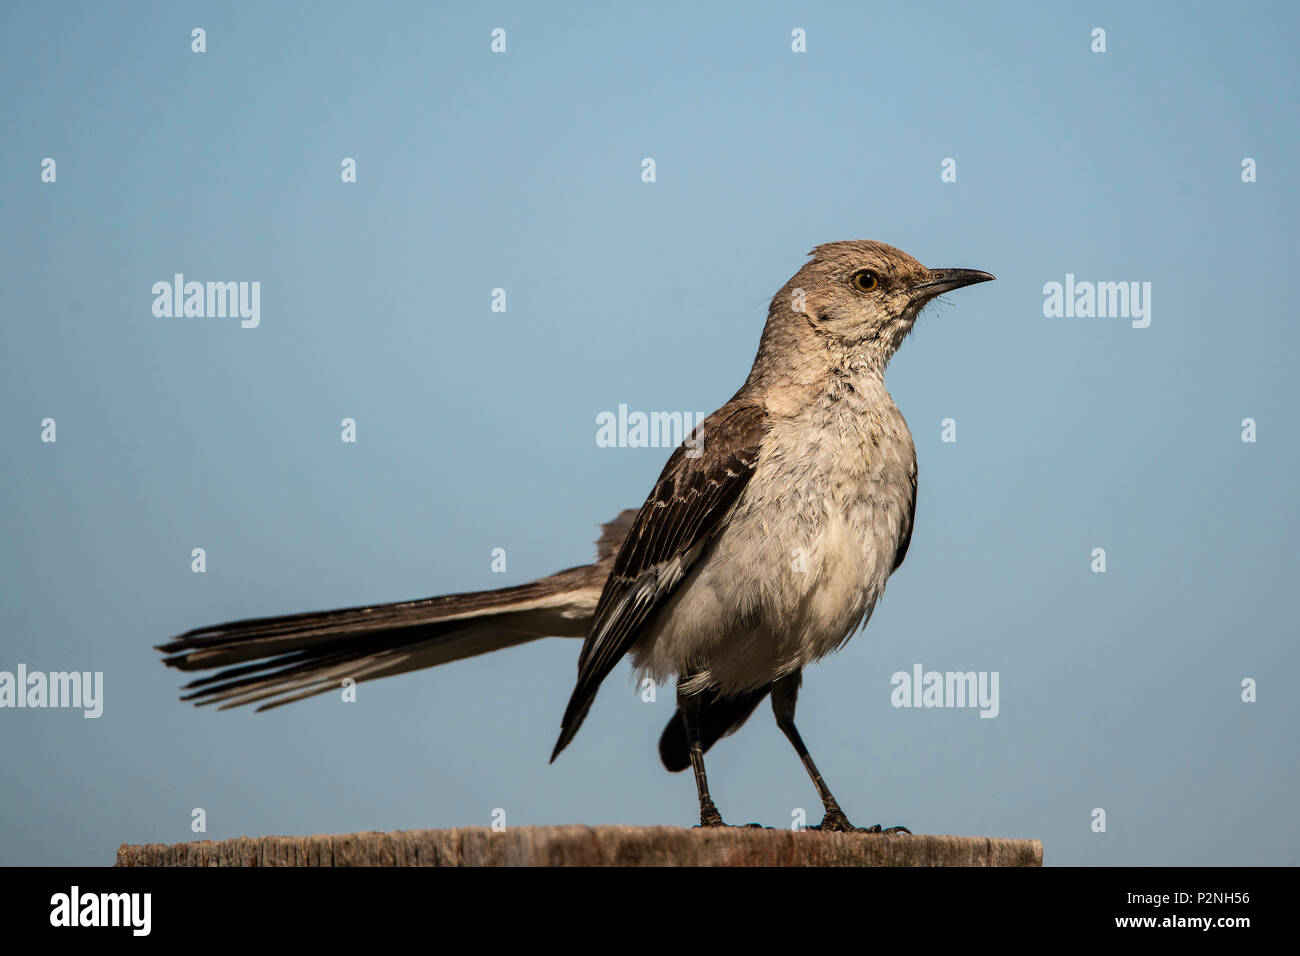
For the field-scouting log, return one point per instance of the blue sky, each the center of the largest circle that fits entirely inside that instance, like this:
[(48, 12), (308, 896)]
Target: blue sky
[(476, 429)]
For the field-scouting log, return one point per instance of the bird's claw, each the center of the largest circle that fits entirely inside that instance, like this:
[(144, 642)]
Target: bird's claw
[(836, 822), (710, 817)]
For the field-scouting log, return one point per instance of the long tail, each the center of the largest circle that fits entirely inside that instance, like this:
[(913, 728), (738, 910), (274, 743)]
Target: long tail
[(282, 659)]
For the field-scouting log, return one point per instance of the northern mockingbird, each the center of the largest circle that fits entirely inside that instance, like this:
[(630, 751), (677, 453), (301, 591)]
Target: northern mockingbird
[(764, 545)]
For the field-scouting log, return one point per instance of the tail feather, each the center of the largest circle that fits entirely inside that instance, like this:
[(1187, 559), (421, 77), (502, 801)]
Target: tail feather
[(719, 716), (282, 659)]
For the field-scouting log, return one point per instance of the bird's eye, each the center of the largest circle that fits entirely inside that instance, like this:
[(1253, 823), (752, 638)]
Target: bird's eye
[(865, 281)]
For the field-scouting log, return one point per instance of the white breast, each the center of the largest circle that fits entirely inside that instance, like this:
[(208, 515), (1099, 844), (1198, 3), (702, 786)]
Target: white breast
[(806, 554)]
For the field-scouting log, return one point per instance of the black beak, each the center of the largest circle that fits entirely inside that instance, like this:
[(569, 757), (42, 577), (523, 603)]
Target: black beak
[(940, 281)]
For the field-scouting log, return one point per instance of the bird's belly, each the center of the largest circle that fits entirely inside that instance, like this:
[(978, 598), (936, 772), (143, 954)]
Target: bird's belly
[(815, 561)]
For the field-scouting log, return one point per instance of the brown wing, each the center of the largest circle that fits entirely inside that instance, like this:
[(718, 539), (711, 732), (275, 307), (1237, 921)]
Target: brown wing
[(910, 517), (680, 517)]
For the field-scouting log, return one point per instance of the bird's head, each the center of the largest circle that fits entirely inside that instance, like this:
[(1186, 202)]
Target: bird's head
[(860, 298)]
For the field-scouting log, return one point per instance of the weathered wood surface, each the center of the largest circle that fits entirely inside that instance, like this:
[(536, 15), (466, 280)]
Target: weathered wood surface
[(591, 846)]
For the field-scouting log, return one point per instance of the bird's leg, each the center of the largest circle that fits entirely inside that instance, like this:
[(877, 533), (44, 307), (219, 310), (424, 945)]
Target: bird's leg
[(784, 694), (689, 705)]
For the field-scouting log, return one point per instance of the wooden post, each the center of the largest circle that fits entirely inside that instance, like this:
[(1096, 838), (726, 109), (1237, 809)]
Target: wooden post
[(592, 846)]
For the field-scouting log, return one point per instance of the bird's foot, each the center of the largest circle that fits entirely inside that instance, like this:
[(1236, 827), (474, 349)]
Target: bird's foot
[(836, 822), (731, 826), (710, 818), (709, 815)]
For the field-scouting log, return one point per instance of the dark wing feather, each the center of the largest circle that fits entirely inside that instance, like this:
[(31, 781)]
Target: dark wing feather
[(911, 522), (680, 517), (718, 717)]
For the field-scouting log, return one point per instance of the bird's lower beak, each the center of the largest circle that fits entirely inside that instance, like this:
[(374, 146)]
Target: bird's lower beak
[(940, 281)]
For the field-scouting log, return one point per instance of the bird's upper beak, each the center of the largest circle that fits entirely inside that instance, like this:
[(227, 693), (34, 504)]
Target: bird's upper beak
[(939, 281)]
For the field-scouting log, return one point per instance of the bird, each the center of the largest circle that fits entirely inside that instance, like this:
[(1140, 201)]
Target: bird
[(763, 547)]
